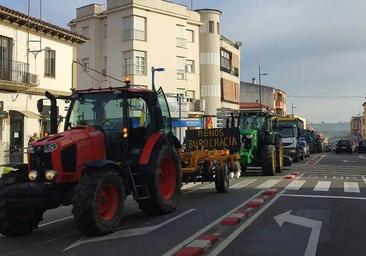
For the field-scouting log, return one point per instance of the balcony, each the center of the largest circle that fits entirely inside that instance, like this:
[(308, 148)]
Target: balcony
[(16, 71)]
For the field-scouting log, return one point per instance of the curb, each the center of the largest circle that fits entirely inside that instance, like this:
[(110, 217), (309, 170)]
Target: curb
[(198, 246)]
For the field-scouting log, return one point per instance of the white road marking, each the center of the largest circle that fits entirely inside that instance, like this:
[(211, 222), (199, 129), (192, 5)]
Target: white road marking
[(315, 226), (364, 179), (243, 183), (327, 197), (295, 185), (189, 185), (55, 221), (320, 158), (246, 224), (351, 187), (127, 232), (209, 186), (268, 184), (322, 186), (298, 177), (203, 230)]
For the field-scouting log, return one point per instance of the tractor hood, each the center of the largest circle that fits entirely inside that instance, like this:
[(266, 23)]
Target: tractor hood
[(69, 137), (248, 132)]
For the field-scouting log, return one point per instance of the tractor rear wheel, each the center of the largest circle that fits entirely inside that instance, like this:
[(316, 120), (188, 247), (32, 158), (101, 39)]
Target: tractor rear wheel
[(268, 159), (279, 155), (164, 182), (98, 202), (18, 221), (222, 178)]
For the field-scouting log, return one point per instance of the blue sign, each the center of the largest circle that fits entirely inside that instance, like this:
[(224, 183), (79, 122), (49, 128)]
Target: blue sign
[(186, 123)]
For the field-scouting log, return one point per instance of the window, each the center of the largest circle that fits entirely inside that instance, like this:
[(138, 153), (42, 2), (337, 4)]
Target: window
[(105, 31), (85, 31), (134, 63), (218, 28), (190, 36), (50, 63), (181, 68), (181, 92), (225, 60), (6, 52), (85, 62), (211, 27), (181, 41), (134, 28), (190, 66)]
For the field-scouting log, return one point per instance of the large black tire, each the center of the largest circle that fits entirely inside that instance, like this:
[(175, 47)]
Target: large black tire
[(164, 181), (98, 202), (222, 178), (279, 156), (268, 159), (18, 221)]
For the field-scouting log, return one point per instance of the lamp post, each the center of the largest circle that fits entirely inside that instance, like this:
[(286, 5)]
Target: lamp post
[(260, 87), (153, 70), (292, 108)]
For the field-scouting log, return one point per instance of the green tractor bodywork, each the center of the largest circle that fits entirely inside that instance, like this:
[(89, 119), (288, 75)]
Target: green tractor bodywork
[(260, 145)]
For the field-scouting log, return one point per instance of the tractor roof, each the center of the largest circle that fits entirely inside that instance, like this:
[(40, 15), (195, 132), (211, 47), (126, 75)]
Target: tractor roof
[(133, 89)]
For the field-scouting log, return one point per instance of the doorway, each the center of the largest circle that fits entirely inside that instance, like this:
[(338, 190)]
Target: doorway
[(16, 136)]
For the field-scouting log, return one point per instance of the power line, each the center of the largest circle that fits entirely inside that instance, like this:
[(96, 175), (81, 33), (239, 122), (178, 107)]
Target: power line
[(327, 97)]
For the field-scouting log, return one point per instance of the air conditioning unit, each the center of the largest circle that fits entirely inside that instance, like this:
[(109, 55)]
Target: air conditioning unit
[(33, 79), (202, 105)]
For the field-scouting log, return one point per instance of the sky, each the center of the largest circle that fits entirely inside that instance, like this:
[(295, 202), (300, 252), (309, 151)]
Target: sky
[(307, 47)]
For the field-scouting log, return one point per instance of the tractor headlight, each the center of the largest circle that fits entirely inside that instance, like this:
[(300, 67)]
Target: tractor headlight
[(50, 147), (32, 175), (249, 136), (50, 175), (31, 149)]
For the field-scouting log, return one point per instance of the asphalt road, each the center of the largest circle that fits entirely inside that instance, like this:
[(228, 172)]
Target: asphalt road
[(320, 210)]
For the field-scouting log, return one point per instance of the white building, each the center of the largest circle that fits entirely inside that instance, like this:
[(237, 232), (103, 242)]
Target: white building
[(35, 56), (129, 37)]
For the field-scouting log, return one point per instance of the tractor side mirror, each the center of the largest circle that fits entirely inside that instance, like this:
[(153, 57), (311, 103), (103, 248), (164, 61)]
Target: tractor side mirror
[(40, 105)]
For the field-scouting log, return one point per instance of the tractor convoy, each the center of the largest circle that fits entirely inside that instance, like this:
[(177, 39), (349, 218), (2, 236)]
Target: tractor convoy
[(118, 142)]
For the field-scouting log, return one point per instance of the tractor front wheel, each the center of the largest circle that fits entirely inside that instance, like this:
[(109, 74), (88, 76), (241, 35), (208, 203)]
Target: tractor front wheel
[(164, 182), (268, 159), (18, 221), (98, 202)]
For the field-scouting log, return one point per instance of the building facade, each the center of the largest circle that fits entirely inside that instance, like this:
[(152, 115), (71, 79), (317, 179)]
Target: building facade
[(273, 99), (36, 56), (364, 122), (129, 37)]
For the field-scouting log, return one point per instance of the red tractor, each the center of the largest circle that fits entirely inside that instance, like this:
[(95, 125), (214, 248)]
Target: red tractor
[(116, 142)]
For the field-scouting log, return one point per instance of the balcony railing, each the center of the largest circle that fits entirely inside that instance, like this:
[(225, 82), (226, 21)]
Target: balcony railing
[(15, 71)]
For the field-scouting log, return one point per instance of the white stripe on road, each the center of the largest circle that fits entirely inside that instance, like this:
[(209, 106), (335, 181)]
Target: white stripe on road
[(209, 186), (55, 221), (189, 185), (364, 179), (295, 185), (203, 230), (243, 183), (322, 186), (246, 224), (351, 187), (268, 184)]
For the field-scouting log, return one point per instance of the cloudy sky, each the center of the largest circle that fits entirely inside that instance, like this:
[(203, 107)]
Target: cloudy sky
[(308, 47)]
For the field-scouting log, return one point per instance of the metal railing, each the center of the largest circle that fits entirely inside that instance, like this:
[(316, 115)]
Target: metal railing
[(15, 71)]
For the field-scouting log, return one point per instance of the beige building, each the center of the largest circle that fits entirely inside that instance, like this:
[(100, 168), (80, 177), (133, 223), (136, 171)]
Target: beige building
[(364, 122), (35, 56), (129, 37), (251, 95)]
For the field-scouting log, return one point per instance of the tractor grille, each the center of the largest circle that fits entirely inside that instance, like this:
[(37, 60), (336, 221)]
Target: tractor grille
[(40, 162)]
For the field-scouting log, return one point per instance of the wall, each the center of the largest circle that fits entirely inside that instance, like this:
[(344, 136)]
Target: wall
[(250, 93)]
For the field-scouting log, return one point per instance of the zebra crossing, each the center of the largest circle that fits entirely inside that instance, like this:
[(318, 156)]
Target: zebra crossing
[(290, 185)]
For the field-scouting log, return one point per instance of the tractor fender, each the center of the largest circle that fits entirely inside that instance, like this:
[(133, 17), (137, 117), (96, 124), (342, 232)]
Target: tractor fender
[(149, 147)]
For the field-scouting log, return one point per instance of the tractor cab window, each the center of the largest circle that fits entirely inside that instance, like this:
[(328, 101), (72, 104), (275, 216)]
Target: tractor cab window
[(103, 110), (138, 113), (253, 122)]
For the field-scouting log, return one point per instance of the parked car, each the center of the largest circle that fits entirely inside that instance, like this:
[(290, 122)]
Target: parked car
[(344, 146), (361, 147), (305, 148)]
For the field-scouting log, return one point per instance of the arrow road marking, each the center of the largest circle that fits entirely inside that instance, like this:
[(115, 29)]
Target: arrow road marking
[(127, 232), (315, 226)]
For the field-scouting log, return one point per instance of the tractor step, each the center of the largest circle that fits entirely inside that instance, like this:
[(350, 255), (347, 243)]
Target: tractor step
[(140, 190)]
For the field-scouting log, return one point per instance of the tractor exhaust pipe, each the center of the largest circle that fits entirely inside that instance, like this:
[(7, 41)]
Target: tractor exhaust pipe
[(53, 112)]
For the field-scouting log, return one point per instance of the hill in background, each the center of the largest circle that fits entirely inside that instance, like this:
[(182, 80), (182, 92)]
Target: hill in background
[(333, 131)]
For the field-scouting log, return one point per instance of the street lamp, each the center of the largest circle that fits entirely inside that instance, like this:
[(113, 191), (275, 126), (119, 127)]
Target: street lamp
[(260, 88), (292, 108), (153, 70)]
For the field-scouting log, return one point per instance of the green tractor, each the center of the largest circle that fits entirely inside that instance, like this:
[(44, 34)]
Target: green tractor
[(260, 145)]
